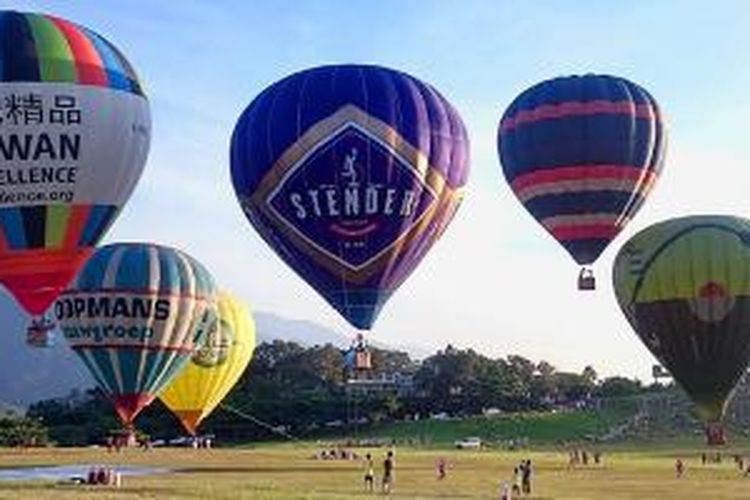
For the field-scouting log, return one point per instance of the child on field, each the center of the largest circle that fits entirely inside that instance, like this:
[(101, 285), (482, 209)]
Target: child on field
[(369, 473)]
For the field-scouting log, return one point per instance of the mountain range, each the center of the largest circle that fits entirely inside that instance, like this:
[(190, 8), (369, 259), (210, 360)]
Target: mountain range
[(30, 374), (308, 333)]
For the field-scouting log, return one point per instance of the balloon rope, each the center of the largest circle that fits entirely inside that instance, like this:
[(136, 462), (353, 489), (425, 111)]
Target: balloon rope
[(258, 421)]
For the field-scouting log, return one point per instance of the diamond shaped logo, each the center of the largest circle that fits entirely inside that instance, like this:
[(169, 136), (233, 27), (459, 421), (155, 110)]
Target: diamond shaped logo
[(350, 195)]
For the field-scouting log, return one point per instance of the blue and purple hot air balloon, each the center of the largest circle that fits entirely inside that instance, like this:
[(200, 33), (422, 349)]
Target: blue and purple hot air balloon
[(350, 173), (582, 153)]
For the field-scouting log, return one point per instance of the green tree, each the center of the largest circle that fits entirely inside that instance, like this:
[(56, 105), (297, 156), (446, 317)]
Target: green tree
[(618, 387), (590, 375)]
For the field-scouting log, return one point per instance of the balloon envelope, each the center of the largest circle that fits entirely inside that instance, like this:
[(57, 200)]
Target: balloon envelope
[(350, 173), (215, 366), (74, 136), (134, 315), (581, 153), (684, 285)]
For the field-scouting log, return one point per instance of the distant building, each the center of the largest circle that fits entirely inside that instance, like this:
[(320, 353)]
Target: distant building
[(397, 383)]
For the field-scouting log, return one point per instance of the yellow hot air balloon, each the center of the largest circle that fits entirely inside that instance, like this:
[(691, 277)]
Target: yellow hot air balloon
[(215, 367)]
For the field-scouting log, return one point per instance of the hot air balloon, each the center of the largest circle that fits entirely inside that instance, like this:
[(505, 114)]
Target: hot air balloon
[(684, 286), (350, 173), (581, 153), (215, 366), (134, 315), (74, 136)]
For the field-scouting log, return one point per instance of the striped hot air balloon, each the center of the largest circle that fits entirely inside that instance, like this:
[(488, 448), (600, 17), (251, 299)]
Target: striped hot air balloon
[(684, 286), (74, 136), (582, 153), (350, 173), (215, 367), (135, 314)]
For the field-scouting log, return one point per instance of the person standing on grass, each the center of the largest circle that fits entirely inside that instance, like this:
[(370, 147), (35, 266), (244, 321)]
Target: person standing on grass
[(441, 466), (679, 467), (388, 472), (505, 493), (526, 477), (517, 478), (369, 473)]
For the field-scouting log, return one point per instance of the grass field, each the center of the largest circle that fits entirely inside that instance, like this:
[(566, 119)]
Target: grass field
[(538, 428), (286, 472)]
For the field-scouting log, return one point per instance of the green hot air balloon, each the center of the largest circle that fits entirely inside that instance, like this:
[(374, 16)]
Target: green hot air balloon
[(684, 286)]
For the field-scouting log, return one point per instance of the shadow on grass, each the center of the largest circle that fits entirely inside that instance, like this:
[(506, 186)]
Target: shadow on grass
[(250, 470), (294, 468)]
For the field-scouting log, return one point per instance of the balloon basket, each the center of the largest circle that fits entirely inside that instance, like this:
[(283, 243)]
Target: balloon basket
[(40, 334), (586, 280), (129, 437), (358, 359), (715, 435)]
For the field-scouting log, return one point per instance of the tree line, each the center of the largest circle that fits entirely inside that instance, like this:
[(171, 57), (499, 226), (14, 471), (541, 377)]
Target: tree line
[(307, 392)]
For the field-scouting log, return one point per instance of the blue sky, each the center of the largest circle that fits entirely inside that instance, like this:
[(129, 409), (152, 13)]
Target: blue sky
[(513, 288)]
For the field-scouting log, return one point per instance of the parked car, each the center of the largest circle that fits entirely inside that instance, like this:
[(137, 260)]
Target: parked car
[(440, 416), (470, 443)]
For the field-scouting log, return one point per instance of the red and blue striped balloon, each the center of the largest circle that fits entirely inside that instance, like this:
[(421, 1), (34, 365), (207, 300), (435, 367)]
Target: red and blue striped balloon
[(582, 153)]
